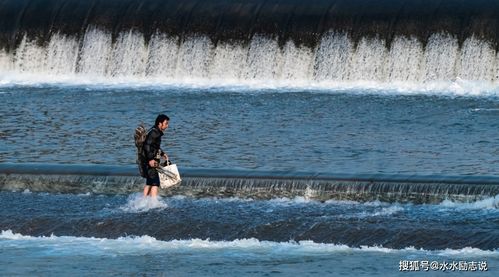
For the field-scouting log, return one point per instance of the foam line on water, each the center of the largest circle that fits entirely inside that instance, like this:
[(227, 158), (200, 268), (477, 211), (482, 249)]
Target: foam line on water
[(436, 88), (491, 203), (488, 203), (146, 244)]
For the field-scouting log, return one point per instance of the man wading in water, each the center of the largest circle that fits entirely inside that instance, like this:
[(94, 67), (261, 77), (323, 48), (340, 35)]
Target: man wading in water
[(153, 154)]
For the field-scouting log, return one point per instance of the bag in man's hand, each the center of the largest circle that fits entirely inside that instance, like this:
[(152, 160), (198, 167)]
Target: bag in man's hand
[(168, 175)]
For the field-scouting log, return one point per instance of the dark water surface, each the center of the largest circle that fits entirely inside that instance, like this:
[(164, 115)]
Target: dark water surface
[(59, 234), (396, 226)]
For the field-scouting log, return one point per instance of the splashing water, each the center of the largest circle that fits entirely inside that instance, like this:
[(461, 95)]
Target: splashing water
[(137, 203), (488, 203)]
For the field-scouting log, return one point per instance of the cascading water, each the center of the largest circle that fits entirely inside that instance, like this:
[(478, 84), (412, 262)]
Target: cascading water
[(324, 42), (251, 184), (335, 59)]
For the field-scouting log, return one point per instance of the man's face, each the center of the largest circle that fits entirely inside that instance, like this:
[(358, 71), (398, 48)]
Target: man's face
[(163, 125)]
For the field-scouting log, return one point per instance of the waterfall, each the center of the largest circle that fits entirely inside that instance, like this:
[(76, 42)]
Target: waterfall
[(326, 42), (335, 58)]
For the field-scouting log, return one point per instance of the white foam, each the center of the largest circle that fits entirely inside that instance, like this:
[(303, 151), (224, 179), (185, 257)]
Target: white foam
[(485, 109), (343, 202), (488, 203), (379, 211), (385, 211), (467, 251), (458, 87), (290, 201), (141, 244), (137, 203), (305, 199), (376, 203)]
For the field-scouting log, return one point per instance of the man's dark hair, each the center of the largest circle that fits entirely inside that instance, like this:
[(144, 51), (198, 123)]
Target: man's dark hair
[(161, 118)]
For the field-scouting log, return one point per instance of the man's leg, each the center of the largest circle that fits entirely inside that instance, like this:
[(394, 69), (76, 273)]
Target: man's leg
[(154, 191), (147, 190)]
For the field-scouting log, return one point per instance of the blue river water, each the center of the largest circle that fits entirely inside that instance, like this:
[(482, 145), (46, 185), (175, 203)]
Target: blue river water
[(289, 130), (360, 131), (116, 235)]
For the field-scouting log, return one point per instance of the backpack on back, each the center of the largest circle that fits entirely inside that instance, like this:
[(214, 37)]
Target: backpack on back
[(140, 138)]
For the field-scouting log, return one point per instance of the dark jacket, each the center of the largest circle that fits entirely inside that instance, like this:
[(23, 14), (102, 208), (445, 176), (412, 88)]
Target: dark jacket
[(152, 144)]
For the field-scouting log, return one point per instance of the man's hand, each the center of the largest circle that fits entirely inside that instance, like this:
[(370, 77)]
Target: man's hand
[(153, 163)]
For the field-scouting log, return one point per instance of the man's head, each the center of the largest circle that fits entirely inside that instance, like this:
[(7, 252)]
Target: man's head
[(162, 122)]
